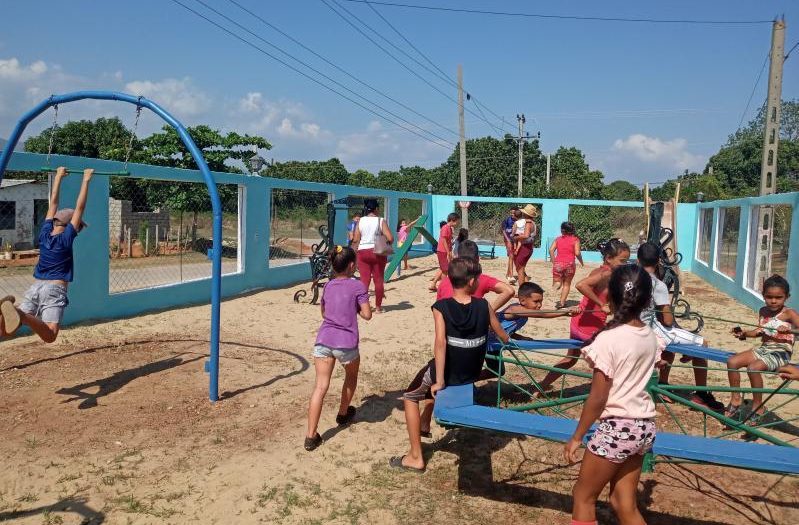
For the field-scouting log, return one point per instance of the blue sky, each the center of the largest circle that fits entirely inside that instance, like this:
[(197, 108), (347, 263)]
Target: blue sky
[(643, 101)]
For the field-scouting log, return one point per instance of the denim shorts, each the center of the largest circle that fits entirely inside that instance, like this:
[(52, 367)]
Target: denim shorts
[(343, 355), (45, 301)]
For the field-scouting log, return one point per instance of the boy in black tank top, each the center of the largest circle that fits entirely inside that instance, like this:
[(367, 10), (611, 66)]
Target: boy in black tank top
[(462, 326)]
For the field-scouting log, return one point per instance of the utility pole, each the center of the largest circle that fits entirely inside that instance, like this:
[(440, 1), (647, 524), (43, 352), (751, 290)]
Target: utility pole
[(464, 192), (521, 120), (548, 170), (768, 166)]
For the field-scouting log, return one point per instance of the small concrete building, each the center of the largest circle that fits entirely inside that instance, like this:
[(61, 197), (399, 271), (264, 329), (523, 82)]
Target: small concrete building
[(23, 207)]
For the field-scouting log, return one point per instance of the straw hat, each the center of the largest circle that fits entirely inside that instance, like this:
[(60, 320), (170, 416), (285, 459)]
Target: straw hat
[(530, 211)]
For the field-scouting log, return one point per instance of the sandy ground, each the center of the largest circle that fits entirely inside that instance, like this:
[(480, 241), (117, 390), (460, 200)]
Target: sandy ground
[(111, 424)]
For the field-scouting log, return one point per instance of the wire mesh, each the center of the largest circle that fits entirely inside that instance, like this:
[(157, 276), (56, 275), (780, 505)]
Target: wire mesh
[(296, 218), (160, 232), (783, 215), (727, 245), (595, 224), (485, 221), (410, 210), (24, 198), (705, 234)]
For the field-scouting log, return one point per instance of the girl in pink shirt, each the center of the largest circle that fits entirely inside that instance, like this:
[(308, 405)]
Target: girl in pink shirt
[(623, 357), (402, 235), (563, 252)]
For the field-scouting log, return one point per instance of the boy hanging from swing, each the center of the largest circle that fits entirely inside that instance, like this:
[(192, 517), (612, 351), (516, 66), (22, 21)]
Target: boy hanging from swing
[(43, 306)]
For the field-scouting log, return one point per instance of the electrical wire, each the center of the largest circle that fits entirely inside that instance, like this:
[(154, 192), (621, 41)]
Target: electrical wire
[(445, 145), (790, 51), (329, 62), (386, 51), (754, 88), (429, 61), (562, 17), (322, 74)]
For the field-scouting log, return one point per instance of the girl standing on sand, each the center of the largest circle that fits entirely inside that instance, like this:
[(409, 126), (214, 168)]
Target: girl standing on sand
[(343, 300)]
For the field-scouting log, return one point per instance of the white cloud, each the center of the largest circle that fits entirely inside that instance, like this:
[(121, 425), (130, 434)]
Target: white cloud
[(658, 151), (179, 95), (11, 69), (378, 148)]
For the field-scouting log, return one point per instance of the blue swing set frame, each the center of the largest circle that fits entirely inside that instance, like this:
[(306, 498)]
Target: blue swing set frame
[(215, 253)]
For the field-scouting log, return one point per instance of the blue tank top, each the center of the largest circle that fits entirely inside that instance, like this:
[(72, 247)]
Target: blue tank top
[(55, 253)]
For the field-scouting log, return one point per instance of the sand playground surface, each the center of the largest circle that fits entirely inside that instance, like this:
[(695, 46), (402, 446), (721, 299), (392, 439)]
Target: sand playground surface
[(111, 424)]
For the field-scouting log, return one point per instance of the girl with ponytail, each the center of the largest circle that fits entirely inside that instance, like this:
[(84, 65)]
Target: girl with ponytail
[(594, 305), (623, 356), (343, 300)]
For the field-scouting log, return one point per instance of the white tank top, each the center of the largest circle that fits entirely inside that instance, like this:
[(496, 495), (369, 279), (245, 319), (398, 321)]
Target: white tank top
[(368, 226)]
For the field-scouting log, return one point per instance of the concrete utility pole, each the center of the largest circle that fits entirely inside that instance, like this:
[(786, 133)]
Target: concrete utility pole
[(548, 170), (464, 211), (521, 120), (768, 167)]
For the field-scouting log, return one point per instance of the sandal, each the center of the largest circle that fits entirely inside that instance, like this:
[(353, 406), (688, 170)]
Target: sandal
[(346, 419), (753, 421), (426, 434), (559, 305), (313, 443), (11, 317), (396, 462)]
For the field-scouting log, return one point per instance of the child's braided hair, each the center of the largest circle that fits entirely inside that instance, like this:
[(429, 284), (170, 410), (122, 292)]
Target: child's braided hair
[(630, 292), (612, 247)]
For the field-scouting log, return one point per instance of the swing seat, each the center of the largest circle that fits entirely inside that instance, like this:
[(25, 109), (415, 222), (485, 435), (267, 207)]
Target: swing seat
[(455, 408)]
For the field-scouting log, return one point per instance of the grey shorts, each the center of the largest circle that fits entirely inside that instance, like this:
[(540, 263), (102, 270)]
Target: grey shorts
[(46, 301), (774, 355), (343, 355), (419, 389)]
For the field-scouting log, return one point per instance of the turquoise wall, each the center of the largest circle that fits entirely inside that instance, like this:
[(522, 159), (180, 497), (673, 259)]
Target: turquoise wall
[(553, 213), (736, 287), (89, 296)]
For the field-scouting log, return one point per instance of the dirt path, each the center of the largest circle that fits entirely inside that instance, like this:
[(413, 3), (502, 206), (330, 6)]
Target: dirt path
[(112, 425)]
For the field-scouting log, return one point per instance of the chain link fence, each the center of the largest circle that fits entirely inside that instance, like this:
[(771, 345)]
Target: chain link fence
[(410, 210), (159, 232), (24, 198), (486, 218), (296, 218), (595, 224)]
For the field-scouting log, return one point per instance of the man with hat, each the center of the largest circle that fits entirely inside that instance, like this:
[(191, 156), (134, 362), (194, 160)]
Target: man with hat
[(43, 307), (524, 234)]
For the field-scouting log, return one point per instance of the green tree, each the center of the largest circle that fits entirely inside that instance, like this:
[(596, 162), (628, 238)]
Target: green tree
[(328, 171), (571, 177), (621, 190), (492, 168), (737, 164)]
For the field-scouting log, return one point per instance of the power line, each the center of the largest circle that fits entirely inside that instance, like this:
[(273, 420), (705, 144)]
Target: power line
[(408, 108), (429, 61), (754, 88), (790, 51), (321, 73), (563, 17), (386, 51), (296, 70)]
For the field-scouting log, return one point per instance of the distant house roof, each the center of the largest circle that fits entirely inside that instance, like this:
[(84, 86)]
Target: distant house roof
[(8, 183)]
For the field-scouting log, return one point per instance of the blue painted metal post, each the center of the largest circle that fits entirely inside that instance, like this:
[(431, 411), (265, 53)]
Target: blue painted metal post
[(216, 204)]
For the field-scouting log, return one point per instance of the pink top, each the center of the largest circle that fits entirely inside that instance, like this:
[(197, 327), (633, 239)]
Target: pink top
[(565, 249), (445, 233), (403, 233), (627, 356), (591, 319)]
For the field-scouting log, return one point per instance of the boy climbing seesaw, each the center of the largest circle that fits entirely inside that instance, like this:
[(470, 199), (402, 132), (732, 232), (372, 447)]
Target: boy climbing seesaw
[(45, 301)]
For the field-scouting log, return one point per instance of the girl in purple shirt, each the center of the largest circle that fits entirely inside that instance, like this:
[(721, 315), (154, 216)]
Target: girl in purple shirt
[(343, 300)]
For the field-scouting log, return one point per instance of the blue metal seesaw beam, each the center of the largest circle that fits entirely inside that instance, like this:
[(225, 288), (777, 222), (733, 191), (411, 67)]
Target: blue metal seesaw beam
[(216, 204)]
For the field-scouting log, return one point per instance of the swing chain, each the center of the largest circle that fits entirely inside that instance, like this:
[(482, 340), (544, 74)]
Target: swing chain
[(133, 135), (52, 133)]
